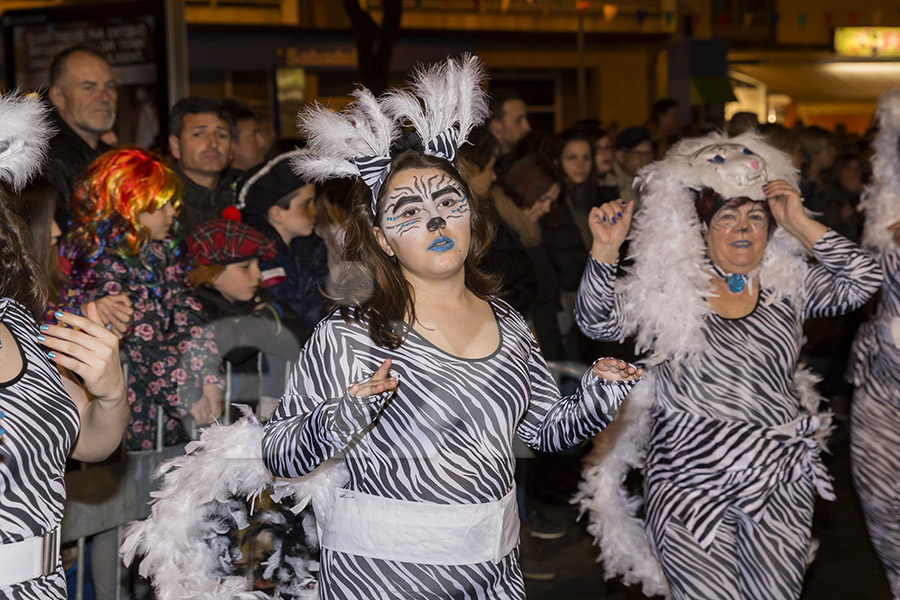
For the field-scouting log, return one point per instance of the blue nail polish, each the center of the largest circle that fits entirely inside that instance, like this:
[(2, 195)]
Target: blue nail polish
[(45, 327), (51, 355), (614, 220), (604, 217), (619, 215), (42, 338), (58, 314)]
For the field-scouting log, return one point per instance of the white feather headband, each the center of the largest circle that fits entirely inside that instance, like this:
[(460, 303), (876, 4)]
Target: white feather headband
[(666, 289), (25, 134), (881, 199), (446, 101)]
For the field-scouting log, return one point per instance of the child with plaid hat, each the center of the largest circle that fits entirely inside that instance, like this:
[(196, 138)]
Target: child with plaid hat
[(245, 318), (281, 206)]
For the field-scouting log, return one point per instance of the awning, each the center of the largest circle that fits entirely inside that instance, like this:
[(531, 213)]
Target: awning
[(825, 81)]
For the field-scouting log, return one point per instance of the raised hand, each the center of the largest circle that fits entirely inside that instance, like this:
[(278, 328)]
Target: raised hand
[(379, 383), (895, 231), (609, 224), (613, 369), (364, 402), (84, 346)]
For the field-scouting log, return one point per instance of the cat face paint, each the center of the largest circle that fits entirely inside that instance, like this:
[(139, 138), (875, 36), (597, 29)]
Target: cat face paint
[(737, 237), (426, 213)]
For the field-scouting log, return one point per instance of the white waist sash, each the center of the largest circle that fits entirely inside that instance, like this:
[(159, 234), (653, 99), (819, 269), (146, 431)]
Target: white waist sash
[(418, 532), (30, 558)]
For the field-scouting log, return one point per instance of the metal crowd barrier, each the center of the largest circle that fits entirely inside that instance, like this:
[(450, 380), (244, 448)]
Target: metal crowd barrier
[(109, 495)]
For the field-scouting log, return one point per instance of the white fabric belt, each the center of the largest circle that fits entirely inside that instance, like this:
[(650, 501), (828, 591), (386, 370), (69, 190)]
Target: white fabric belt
[(29, 559), (418, 532)]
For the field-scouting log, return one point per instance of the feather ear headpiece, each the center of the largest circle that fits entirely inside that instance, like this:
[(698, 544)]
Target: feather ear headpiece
[(25, 133), (881, 199), (666, 289), (445, 102)]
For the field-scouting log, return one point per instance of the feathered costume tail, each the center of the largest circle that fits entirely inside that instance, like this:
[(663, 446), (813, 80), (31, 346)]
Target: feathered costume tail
[(201, 500)]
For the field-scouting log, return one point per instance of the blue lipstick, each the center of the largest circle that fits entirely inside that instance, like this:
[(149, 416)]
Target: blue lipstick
[(442, 244)]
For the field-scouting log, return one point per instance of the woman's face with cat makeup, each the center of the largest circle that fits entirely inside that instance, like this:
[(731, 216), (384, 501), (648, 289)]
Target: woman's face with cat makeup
[(425, 223), (738, 236)]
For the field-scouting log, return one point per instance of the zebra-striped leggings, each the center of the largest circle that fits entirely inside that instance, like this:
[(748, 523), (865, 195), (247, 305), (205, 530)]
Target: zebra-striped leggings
[(875, 461), (748, 559)]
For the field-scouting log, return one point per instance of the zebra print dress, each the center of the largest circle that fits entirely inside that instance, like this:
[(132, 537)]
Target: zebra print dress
[(875, 422), (731, 467), (41, 425), (445, 437)]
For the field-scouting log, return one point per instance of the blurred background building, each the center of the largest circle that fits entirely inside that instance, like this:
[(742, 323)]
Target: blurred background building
[(569, 59)]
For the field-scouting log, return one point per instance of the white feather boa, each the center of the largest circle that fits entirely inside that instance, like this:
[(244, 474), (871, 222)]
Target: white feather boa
[(665, 306), (25, 134), (881, 199), (226, 463)]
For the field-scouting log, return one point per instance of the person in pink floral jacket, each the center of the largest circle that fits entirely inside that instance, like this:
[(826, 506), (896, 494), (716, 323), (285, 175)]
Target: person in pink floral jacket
[(122, 241)]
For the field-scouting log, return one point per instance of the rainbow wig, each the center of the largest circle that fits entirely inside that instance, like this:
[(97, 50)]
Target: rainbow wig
[(117, 187)]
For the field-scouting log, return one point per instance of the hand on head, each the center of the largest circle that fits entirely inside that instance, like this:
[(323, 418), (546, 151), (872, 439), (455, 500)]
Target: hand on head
[(784, 202)]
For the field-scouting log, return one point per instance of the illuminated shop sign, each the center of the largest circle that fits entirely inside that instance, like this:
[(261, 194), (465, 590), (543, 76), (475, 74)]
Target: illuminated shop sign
[(867, 41)]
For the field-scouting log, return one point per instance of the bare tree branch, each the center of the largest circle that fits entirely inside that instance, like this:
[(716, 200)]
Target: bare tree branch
[(374, 44)]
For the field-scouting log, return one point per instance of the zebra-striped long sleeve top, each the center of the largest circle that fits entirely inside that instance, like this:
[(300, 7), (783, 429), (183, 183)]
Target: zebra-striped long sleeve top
[(41, 423), (876, 349), (445, 436), (746, 372)]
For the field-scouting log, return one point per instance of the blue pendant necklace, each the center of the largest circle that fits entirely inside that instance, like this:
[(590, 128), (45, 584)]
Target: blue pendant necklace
[(736, 282)]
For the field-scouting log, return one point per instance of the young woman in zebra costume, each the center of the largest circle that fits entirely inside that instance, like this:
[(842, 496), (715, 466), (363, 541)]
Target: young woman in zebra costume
[(422, 377), (45, 416), (718, 294), (875, 369)]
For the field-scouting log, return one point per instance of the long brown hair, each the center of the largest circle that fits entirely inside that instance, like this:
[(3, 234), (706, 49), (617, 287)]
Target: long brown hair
[(21, 278), (373, 290), (36, 206)]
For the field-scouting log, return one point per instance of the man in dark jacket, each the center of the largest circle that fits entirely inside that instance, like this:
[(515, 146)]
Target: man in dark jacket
[(200, 140), (83, 90)]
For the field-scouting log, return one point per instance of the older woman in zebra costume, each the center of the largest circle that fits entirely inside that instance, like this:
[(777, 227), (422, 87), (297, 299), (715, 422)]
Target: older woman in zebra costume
[(875, 370), (422, 378), (718, 294)]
